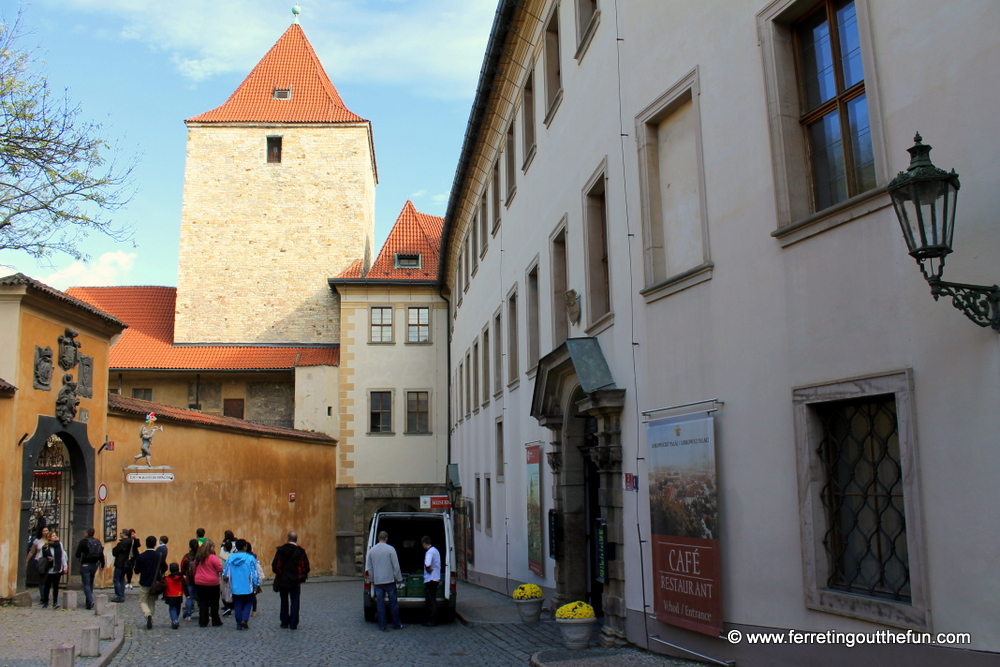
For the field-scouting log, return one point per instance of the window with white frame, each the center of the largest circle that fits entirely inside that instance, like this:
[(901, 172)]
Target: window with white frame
[(475, 375), (484, 224), (861, 517), (497, 352), (486, 366), (531, 314), (418, 324), (495, 190), (553, 67), (512, 337), (598, 267), (468, 384), (528, 119), (560, 283), (488, 500), (381, 325), (499, 449), (510, 161), (479, 503), (474, 246), (587, 17)]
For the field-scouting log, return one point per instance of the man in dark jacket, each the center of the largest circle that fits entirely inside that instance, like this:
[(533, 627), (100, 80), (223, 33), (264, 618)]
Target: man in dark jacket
[(124, 554), (149, 566), (290, 567), (91, 554)]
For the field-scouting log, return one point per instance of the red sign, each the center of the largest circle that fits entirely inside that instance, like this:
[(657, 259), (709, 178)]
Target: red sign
[(291, 497), (687, 576), (440, 503)]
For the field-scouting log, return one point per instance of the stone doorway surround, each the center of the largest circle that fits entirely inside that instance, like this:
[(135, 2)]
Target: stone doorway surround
[(572, 380)]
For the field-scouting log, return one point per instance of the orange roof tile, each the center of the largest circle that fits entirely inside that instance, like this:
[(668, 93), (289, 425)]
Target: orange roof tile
[(291, 64), (414, 233), (170, 413), (148, 342)]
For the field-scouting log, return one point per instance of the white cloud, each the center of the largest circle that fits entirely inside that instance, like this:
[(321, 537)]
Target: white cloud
[(440, 198), (435, 47), (110, 269), (418, 194)]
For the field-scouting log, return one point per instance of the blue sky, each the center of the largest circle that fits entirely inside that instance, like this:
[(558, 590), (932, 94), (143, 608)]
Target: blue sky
[(140, 67)]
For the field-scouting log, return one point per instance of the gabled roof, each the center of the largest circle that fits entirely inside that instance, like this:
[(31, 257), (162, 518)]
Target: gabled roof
[(292, 65), (148, 342), (414, 233), (21, 279), (135, 406)]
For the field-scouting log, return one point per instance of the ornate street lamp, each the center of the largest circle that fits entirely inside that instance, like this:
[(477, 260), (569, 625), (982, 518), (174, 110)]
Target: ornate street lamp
[(924, 198)]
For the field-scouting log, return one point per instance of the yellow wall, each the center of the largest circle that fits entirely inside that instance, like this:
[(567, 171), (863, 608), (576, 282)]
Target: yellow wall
[(9, 479), (224, 479)]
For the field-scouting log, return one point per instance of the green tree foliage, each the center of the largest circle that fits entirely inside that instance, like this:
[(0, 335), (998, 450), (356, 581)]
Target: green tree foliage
[(59, 178)]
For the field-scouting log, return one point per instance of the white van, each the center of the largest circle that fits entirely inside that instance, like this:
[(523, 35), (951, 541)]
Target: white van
[(405, 531)]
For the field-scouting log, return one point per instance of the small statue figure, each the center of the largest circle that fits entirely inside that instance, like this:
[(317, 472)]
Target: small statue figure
[(146, 433), (66, 401), (573, 306), (43, 368), (86, 383), (69, 349)]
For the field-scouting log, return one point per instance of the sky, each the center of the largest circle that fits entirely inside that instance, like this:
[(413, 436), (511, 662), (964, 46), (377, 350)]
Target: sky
[(140, 67)]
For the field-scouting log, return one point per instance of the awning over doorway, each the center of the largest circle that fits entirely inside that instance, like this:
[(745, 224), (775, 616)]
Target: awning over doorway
[(576, 360)]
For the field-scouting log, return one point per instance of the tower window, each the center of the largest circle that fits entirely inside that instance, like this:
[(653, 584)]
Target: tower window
[(282, 93), (274, 149)]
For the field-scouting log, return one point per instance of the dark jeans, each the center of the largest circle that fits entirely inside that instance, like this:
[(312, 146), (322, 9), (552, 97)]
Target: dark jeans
[(189, 604), (241, 607), (50, 584), (174, 605), (382, 590), (290, 606), (119, 583), (87, 572), (208, 604), (431, 600)]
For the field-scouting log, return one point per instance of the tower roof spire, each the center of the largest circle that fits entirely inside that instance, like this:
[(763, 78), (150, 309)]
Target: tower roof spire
[(288, 85), (296, 10)]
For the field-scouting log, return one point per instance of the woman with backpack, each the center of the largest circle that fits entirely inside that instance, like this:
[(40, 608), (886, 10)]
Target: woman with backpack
[(52, 563)]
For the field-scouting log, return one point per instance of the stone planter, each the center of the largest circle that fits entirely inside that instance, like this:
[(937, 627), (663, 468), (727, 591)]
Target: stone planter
[(530, 609), (576, 631)]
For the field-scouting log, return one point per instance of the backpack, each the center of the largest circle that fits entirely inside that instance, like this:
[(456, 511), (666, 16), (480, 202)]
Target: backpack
[(94, 549)]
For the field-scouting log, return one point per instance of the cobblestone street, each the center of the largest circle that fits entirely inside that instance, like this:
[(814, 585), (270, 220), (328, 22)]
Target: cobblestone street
[(332, 632)]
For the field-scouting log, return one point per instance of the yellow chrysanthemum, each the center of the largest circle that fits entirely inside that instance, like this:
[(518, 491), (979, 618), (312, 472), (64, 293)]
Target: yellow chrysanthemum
[(527, 592), (575, 610)]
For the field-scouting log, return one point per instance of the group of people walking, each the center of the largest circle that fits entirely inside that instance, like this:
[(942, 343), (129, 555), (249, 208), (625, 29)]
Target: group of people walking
[(232, 576)]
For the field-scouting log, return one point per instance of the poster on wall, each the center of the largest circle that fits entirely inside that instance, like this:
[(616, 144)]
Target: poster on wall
[(684, 519), (536, 547), (110, 523)]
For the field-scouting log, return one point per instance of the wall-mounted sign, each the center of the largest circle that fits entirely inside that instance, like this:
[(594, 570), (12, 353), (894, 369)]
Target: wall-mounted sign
[(631, 482), (102, 492), (110, 523), (149, 477), (291, 497), (684, 517), (536, 544), (435, 503)]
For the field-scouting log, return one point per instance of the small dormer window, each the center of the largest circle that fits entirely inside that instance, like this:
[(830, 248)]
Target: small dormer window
[(282, 93), (407, 261)]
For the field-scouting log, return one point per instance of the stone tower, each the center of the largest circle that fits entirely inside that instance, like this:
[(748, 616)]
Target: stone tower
[(279, 195)]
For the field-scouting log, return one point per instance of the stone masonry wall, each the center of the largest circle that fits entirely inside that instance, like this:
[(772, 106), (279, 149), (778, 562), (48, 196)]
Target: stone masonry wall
[(259, 240)]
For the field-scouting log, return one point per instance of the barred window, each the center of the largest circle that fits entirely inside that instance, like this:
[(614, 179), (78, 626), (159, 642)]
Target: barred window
[(381, 325), (418, 325), (865, 538), (381, 412)]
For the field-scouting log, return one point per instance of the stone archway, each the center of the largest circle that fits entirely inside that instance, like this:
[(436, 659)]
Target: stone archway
[(81, 462)]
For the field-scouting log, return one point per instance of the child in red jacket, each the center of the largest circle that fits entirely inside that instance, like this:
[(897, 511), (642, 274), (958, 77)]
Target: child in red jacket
[(173, 595)]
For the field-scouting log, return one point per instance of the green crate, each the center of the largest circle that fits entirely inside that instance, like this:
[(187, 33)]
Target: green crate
[(414, 586)]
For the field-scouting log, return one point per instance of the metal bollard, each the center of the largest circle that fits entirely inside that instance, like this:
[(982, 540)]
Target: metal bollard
[(69, 599), (63, 655), (101, 604), (108, 626), (90, 642)]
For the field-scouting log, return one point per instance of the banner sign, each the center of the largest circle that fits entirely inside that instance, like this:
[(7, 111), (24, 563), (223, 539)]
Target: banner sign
[(684, 517), (149, 477), (435, 503), (110, 523), (536, 547)]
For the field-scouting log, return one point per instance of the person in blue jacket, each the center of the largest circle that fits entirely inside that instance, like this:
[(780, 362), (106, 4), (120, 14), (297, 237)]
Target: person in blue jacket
[(241, 573)]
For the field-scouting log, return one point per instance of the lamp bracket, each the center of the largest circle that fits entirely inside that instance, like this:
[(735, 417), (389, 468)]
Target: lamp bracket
[(980, 303)]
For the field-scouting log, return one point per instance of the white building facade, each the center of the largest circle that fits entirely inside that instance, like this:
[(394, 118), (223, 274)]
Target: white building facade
[(669, 207)]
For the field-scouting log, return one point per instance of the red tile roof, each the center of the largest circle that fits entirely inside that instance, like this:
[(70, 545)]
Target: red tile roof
[(21, 279), (148, 342), (291, 64), (169, 413), (414, 233)]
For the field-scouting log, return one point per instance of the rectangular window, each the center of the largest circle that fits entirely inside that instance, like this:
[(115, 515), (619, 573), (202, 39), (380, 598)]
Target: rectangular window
[(418, 326), (833, 102), (510, 162), (553, 71), (499, 450), (512, 333), (274, 149), (143, 394), (596, 238), (486, 366), (381, 324), (407, 261), (475, 375), (459, 390), (528, 119), (532, 316), (418, 412), (479, 503), (465, 254), (282, 93), (459, 283), (497, 353), (488, 499), (495, 188), (484, 224), (468, 384), (381, 412), (585, 10), (474, 246), (560, 283)]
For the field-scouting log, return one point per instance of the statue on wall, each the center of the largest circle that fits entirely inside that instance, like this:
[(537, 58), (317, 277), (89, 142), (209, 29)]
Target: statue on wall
[(573, 306), (86, 376), (146, 433), (69, 349), (43, 368), (67, 401)]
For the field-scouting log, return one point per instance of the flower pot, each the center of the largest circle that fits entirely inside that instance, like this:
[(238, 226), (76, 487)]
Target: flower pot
[(529, 609), (576, 631)]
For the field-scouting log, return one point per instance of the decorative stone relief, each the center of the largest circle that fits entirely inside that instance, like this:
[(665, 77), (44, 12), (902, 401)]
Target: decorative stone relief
[(573, 306), (69, 349), (43, 368), (86, 376), (67, 401), (555, 461), (606, 457)]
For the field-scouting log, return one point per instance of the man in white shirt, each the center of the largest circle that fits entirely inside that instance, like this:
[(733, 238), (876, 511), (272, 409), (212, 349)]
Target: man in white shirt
[(432, 578), (382, 566)]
